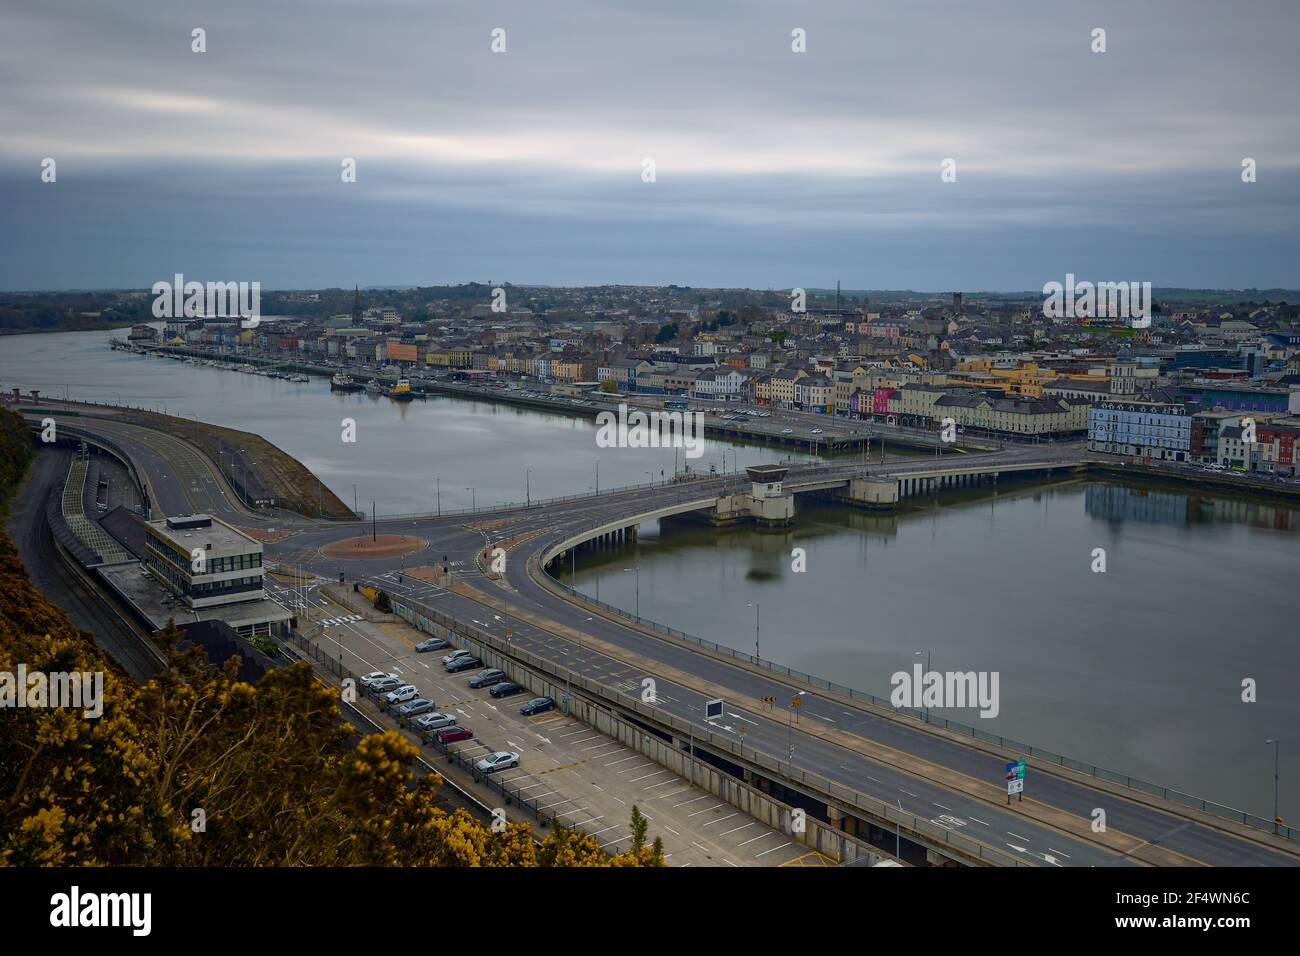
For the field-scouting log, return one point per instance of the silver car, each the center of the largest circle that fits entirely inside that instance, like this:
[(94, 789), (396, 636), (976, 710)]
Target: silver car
[(413, 708), (501, 760), (435, 721)]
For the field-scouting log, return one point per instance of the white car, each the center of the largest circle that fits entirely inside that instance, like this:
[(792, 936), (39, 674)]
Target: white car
[(402, 694), (501, 760), (787, 431), (816, 431), (374, 677)]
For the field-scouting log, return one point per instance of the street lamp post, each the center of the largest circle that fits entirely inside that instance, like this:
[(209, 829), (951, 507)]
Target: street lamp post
[(528, 495), (925, 713), (757, 655), (1276, 742), (438, 487), (473, 498), (637, 569), (794, 703)]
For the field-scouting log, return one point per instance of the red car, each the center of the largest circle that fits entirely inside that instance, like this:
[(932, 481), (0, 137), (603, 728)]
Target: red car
[(451, 734)]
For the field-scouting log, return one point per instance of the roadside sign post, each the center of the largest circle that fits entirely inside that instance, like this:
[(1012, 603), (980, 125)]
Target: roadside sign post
[(1016, 780), (713, 708)]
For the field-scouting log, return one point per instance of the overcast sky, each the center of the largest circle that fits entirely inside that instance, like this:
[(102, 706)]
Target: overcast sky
[(773, 169)]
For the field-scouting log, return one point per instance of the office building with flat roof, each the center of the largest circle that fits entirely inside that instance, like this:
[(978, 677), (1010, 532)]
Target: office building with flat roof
[(204, 561)]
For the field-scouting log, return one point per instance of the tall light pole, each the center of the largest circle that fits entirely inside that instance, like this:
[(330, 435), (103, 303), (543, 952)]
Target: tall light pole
[(794, 703), (637, 569), (925, 713), (473, 498), (354, 497), (438, 486), (1276, 742), (757, 655), (528, 495)]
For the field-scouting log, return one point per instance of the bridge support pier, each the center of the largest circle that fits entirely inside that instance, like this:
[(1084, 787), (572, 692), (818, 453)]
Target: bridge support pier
[(872, 493)]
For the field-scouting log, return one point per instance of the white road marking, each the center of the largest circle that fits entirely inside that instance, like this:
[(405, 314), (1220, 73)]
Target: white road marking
[(720, 819)]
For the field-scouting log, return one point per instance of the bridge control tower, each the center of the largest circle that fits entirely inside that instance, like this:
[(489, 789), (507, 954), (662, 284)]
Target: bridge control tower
[(769, 502)]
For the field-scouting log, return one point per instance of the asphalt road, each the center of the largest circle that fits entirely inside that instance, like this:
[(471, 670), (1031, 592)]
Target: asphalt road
[(83, 605)]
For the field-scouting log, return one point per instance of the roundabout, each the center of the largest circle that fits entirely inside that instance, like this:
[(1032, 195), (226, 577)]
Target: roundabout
[(362, 547)]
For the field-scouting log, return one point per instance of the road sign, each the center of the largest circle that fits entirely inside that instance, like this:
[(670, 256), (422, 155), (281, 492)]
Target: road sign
[(713, 708), (1015, 777)]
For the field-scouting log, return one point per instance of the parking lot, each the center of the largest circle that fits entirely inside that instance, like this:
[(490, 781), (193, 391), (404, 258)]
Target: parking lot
[(568, 771)]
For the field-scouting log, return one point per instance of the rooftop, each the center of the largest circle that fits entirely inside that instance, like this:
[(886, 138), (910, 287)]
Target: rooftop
[(192, 531)]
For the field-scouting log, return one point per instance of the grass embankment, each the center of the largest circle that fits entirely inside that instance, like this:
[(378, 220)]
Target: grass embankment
[(276, 475)]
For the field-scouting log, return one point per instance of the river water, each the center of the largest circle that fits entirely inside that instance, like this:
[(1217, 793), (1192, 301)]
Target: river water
[(1138, 669), (406, 456)]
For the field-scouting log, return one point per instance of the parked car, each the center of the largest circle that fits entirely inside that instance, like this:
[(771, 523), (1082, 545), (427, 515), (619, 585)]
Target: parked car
[(374, 677), (507, 688), (816, 431), (415, 707), (386, 685), (449, 735), (487, 678), (537, 705), (435, 721), (787, 431), (462, 664), (447, 659), (400, 695), (501, 760), (430, 644)]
